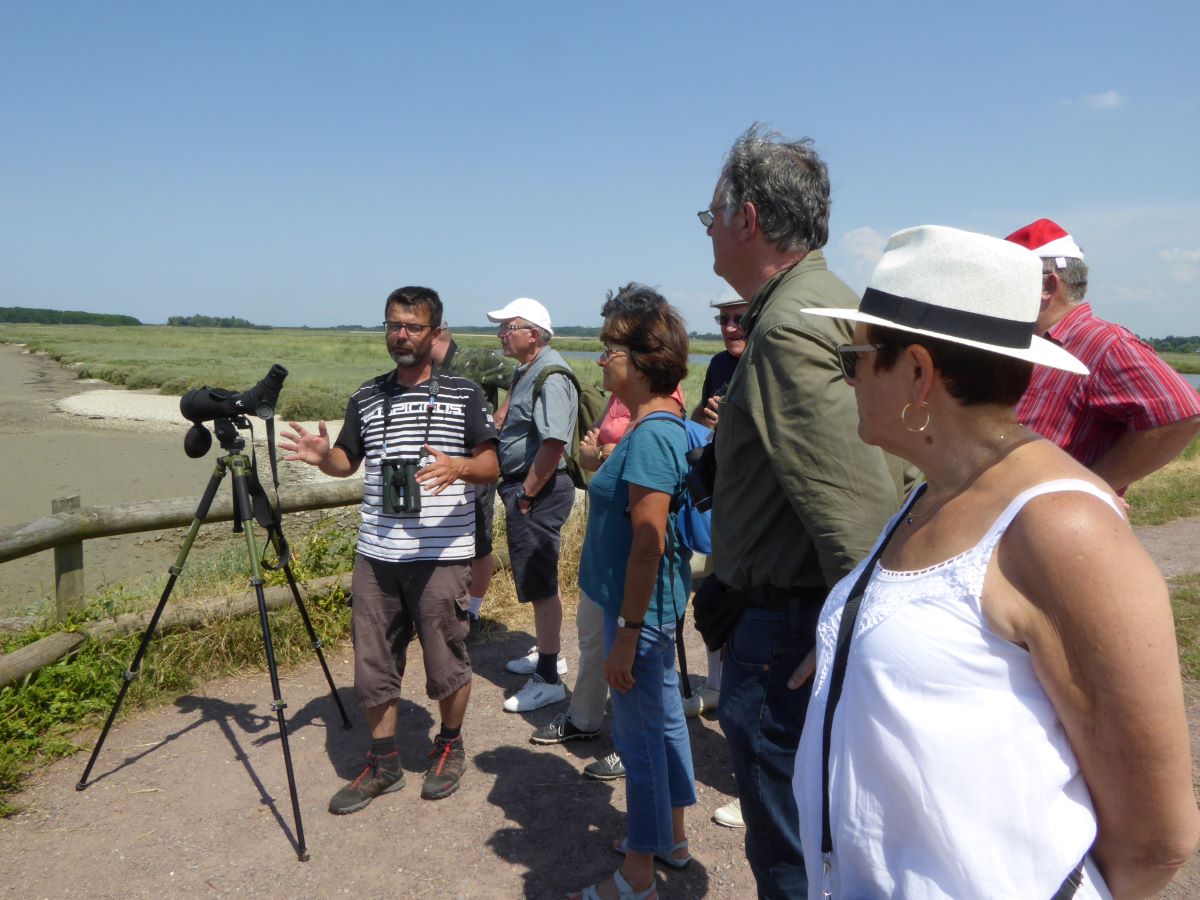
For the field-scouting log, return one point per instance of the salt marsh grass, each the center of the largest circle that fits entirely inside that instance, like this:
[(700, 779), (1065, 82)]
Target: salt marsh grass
[(324, 367)]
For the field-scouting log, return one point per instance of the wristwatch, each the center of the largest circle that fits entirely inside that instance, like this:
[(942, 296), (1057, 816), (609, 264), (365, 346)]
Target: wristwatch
[(623, 622), (522, 494)]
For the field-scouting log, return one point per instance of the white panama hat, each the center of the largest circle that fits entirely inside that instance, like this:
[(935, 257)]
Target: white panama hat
[(523, 308), (962, 287)]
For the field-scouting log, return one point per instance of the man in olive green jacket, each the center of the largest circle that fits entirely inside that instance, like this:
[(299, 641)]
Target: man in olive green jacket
[(799, 499)]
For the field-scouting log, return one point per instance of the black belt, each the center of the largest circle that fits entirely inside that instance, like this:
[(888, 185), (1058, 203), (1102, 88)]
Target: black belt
[(781, 599)]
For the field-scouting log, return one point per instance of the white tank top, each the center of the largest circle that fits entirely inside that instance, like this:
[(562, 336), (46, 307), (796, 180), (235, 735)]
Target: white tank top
[(951, 775)]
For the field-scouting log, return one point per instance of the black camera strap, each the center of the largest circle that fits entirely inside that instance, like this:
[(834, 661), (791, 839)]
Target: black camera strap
[(389, 385), (268, 515)]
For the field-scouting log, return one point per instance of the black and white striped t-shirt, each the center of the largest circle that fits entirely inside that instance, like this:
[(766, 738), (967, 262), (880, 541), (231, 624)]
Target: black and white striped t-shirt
[(386, 420)]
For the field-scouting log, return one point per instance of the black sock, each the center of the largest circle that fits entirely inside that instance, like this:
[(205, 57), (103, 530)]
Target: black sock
[(547, 667), (385, 751), (449, 734)]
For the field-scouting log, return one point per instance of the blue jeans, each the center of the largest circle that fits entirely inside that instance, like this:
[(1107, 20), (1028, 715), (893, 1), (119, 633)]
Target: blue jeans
[(761, 718), (652, 737)]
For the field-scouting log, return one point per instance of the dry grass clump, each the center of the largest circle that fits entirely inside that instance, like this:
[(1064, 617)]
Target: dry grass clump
[(1173, 492)]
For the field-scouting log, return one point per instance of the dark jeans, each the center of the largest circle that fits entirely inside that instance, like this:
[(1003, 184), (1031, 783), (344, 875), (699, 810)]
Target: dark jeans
[(761, 718)]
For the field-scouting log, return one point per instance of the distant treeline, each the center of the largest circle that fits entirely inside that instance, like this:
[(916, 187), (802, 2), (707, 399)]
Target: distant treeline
[(1175, 344), (213, 322), (28, 316)]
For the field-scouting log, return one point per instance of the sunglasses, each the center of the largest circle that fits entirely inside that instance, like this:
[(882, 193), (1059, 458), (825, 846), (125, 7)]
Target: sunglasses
[(609, 352), (510, 328), (723, 320), (848, 357)]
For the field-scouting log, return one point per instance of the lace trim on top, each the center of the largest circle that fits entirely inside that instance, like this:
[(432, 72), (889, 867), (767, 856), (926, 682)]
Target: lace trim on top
[(960, 576)]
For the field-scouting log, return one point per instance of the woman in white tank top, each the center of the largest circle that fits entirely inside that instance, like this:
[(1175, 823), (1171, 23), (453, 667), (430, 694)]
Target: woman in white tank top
[(1009, 719)]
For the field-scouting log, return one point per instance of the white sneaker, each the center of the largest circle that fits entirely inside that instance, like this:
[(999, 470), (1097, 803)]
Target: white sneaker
[(527, 665), (730, 815), (704, 699), (535, 695)]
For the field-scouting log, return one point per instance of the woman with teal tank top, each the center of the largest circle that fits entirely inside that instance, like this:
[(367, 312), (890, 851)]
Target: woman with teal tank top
[(637, 573)]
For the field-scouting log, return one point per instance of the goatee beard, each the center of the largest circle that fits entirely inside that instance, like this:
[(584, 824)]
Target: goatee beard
[(407, 360)]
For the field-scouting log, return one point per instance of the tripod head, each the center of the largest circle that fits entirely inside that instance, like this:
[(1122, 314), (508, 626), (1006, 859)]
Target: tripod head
[(227, 433)]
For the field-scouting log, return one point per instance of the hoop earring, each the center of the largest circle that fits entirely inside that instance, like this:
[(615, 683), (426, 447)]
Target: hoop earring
[(904, 413)]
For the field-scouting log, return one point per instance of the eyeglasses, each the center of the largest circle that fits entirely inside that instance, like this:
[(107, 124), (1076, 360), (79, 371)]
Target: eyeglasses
[(510, 328), (414, 329), (708, 216), (734, 320), (848, 357), (609, 352)]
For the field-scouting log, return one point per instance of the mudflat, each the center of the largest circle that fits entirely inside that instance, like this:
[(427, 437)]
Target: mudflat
[(61, 436)]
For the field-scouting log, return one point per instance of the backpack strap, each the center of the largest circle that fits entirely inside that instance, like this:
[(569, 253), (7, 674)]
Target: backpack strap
[(553, 370)]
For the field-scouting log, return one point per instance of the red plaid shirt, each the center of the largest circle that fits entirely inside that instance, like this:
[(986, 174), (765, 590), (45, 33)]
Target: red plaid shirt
[(1129, 389)]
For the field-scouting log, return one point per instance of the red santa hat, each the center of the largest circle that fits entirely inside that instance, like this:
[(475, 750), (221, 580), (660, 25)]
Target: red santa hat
[(1048, 240)]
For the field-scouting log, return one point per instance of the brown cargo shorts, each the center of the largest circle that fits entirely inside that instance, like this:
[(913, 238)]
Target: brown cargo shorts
[(392, 602)]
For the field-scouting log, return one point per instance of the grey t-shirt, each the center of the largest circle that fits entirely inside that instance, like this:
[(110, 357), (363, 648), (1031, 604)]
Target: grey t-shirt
[(528, 424)]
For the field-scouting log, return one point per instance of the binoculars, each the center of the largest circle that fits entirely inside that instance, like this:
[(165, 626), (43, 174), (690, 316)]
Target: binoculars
[(401, 493)]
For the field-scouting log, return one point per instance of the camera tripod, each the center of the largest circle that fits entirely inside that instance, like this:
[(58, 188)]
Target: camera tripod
[(240, 465)]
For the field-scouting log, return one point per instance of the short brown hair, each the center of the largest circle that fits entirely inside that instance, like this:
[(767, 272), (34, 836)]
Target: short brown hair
[(640, 318), (971, 375)]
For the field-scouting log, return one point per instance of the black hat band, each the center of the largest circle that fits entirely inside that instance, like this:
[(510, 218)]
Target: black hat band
[(956, 323)]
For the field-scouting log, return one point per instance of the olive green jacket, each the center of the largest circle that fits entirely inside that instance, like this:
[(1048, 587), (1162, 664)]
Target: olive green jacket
[(799, 498)]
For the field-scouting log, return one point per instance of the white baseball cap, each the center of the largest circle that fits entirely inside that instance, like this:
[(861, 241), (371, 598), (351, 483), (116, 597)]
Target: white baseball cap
[(523, 308)]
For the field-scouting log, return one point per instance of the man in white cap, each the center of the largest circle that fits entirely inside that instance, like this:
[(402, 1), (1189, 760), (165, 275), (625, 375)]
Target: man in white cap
[(536, 423), (1133, 414)]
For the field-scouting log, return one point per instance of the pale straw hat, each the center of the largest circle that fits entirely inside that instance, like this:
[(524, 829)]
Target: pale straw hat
[(962, 287)]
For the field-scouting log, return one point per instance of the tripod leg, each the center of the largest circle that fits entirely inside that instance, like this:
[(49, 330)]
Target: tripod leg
[(316, 643), (136, 666), (244, 511)]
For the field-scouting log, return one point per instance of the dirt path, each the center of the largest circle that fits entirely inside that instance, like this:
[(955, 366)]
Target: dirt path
[(192, 800)]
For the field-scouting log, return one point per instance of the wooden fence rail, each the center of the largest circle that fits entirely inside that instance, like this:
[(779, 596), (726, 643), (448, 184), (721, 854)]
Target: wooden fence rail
[(74, 525), (70, 525), (69, 528)]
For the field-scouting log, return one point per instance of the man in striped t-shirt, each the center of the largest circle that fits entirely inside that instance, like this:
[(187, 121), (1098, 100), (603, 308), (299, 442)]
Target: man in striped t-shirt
[(1133, 413), (427, 437)]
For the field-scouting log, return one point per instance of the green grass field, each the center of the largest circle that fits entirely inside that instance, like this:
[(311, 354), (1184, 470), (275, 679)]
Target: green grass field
[(324, 367)]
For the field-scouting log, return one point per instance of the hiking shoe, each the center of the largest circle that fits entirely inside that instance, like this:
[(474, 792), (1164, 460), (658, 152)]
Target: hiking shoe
[(535, 695), (449, 761), (527, 664), (730, 815), (560, 731), (704, 699), (610, 768), (375, 779)]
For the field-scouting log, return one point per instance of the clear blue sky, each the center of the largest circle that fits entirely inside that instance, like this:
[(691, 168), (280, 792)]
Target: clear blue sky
[(291, 163)]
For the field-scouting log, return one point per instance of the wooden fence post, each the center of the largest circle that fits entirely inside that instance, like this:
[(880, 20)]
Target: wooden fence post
[(68, 566)]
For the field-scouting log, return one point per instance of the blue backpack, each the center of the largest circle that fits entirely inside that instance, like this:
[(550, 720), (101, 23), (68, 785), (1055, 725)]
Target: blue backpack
[(694, 527)]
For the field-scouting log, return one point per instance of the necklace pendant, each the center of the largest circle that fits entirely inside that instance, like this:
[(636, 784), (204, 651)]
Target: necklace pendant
[(908, 519)]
